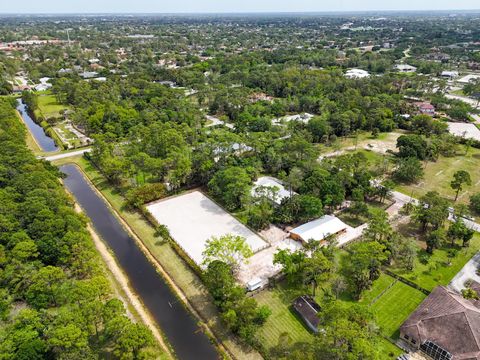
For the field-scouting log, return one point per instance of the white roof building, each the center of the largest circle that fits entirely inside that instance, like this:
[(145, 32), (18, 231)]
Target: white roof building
[(305, 118), (319, 229), (357, 74), (271, 182), (450, 74), (405, 68)]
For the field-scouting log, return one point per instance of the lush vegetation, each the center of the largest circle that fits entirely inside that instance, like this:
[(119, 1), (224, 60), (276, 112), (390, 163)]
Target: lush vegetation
[(56, 301)]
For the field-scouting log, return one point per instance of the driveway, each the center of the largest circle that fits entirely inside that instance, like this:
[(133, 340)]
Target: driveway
[(66, 155), (472, 102), (468, 272)]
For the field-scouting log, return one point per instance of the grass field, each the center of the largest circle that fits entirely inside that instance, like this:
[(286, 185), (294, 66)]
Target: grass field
[(439, 174), (48, 106), (391, 309), (379, 286), (282, 320), (394, 306), (440, 269), (178, 270)]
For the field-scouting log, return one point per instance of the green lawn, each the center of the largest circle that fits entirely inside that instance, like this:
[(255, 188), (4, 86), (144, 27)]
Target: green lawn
[(48, 105), (438, 271), (439, 174), (282, 320), (379, 286), (394, 307), (387, 349), (391, 309)]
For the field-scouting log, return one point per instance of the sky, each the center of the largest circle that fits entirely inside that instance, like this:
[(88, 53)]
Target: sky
[(221, 6)]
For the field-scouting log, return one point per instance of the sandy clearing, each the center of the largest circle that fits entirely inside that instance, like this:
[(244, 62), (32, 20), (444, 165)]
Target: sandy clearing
[(467, 130), (193, 218)]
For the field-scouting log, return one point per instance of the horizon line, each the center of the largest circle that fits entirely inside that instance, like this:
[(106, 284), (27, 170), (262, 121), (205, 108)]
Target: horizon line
[(242, 12)]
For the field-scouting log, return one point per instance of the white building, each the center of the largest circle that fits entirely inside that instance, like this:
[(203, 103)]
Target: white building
[(449, 74), (271, 182), (405, 68), (304, 118), (357, 74), (319, 229)]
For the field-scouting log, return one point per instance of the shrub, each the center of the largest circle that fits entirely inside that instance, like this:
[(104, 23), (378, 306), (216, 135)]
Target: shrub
[(146, 193)]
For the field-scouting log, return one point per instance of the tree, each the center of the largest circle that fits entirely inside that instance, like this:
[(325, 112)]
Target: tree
[(230, 186), (230, 249), (469, 293), (348, 333), (362, 266), (404, 252), (45, 288), (475, 202), (220, 282), (460, 178), (379, 228), (293, 264), (432, 210), (459, 231), (385, 189), (435, 240), (408, 170), (317, 268), (412, 146)]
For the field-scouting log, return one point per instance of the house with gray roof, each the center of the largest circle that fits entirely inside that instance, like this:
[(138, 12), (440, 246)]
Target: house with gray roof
[(445, 326)]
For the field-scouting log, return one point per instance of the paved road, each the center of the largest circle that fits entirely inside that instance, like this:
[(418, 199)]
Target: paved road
[(66, 155), (216, 121), (469, 271), (476, 118), (402, 199), (472, 102)]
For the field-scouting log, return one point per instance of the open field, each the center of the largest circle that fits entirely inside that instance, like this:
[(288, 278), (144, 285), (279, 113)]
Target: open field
[(183, 276), (380, 144), (439, 174), (193, 218), (48, 106), (440, 269)]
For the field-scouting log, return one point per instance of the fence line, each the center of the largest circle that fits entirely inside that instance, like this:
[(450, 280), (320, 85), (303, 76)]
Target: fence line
[(407, 282)]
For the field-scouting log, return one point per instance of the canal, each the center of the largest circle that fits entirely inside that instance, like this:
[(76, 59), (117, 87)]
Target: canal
[(45, 142), (179, 326)]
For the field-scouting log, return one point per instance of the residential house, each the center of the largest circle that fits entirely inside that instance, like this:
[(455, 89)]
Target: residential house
[(445, 326), (425, 108)]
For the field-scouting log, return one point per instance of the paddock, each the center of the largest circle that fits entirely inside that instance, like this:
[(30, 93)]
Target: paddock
[(193, 218)]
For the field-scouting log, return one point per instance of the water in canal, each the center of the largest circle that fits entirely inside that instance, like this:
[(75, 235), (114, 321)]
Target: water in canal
[(45, 142), (179, 326)]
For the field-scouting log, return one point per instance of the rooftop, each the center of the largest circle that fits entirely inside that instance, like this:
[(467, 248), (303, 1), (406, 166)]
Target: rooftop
[(271, 182), (319, 229), (448, 320)]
